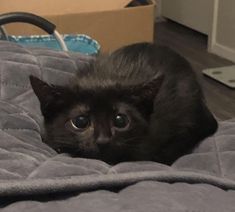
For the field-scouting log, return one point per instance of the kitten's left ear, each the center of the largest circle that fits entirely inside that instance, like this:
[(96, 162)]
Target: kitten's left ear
[(147, 91), (143, 95)]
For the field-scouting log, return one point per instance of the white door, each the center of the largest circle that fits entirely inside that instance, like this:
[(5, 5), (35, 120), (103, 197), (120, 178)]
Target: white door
[(222, 41), (196, 14)]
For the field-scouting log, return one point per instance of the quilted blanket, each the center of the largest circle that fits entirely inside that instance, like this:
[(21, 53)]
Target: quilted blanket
[(33, 177)]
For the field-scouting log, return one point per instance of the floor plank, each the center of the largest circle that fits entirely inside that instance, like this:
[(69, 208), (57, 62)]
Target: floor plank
[(193, 46)]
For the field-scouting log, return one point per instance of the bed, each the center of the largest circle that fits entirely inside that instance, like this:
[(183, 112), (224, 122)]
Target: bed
[(33, 177)]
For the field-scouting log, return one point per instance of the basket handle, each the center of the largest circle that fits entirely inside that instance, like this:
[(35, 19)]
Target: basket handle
[(38, 21), (28, 18)]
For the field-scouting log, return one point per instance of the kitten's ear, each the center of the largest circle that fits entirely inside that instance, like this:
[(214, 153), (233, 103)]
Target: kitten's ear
[(147, 91), (52, 98), (143, 95), (43, 91)]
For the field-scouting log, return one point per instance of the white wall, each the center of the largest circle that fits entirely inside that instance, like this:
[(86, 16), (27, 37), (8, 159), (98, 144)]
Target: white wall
[(196, 14), (222, 41), (159, 8)]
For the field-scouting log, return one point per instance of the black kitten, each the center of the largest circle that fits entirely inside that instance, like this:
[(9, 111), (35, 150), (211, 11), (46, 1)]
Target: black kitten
[(142, 102)]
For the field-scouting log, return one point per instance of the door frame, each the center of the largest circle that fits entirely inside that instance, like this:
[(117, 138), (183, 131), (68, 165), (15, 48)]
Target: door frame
[(213, 45)]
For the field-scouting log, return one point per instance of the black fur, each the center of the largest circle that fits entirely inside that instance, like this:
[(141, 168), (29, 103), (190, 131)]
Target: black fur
[(153, 86)]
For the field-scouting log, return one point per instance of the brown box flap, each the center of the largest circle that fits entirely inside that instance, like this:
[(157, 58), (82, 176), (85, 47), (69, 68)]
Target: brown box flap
[(61, 7), (132, 23)]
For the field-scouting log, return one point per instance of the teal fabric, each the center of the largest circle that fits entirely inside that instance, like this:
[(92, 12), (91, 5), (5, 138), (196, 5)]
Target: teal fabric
[(75, 43)]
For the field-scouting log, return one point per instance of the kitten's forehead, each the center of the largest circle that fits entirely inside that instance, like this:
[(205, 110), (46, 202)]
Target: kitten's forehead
[(103, 107), (122, 107), (79, 109)]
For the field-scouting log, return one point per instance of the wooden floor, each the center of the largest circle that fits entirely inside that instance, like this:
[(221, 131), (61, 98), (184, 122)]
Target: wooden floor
[(193, 46)]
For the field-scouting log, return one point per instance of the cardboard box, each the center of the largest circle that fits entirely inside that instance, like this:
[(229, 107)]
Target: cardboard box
[(112, 23)]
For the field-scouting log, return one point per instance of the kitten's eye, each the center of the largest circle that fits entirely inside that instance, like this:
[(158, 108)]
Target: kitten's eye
[(80, 122), (121, 120)]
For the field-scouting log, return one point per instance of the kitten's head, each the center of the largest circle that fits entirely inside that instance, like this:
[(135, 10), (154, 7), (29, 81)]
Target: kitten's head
[(108, 123)]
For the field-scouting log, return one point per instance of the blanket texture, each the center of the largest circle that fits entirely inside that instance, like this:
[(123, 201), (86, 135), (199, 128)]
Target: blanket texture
[(33, 177)]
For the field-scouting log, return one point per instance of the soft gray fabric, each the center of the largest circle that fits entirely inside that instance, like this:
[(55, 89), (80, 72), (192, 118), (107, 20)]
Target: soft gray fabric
[(201, 181)]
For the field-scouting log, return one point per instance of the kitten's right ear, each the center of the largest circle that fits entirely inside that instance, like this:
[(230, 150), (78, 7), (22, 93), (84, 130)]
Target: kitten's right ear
[(52, 98), (43, 91)]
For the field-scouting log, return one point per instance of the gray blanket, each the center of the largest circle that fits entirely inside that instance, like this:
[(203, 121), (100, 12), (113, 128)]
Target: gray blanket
[(33, 177)]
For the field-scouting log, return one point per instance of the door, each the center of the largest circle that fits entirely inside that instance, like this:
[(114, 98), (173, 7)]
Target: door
[(196, 14)]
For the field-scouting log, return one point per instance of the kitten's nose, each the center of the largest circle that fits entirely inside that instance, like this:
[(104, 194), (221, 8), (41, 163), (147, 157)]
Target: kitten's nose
[(102, 140)]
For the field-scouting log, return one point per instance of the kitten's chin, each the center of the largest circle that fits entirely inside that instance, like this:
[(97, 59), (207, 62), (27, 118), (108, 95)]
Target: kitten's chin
[(103, 155), (85, 154), (109, 155), (76, 153)]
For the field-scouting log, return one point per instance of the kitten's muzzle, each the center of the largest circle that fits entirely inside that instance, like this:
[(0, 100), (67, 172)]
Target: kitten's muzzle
[(103, 141)]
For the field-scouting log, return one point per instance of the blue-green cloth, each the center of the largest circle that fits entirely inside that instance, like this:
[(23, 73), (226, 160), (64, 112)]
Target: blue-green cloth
[(75, 43)]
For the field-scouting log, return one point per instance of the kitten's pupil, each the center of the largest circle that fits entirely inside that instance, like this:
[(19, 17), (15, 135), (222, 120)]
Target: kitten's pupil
[(80, 122), (121, 121)]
